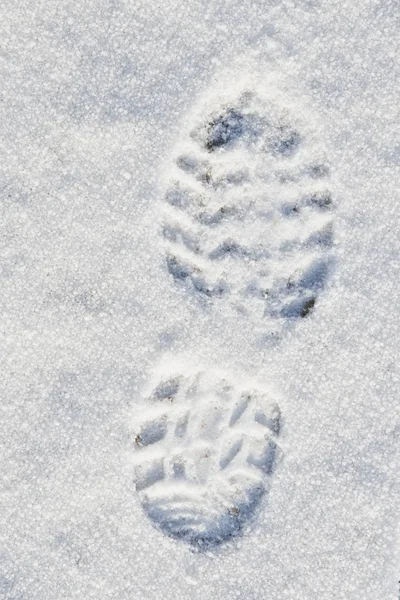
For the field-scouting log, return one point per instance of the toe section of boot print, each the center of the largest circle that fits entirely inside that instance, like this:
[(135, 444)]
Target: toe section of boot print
[(248, 208)]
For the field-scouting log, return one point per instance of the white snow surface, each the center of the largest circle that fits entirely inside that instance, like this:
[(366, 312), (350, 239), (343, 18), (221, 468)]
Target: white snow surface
[(95, 96)]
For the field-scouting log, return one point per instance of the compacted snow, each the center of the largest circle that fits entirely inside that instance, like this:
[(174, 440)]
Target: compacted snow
[(200, 248)]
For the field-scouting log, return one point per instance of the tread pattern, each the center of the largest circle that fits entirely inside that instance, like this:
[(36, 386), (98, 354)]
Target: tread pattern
[(248, 210), (204, 452)]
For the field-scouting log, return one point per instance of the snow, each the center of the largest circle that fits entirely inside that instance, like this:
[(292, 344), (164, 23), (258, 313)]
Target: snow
[(95, 96)]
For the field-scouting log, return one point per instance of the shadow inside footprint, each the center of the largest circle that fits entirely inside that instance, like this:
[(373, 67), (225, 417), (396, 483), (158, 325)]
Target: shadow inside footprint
[(285, 142), (299, 307), (224, 129)]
